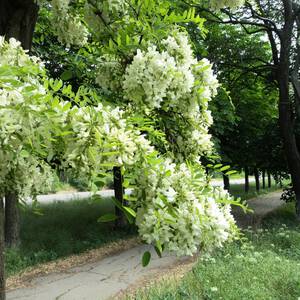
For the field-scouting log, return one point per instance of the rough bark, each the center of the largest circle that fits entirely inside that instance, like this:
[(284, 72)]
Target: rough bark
[(256, 175), (2, 274), (286, 119), (121, 221), (226, 182), (246, 170), (18, 19), (12, 220), (269, 180)]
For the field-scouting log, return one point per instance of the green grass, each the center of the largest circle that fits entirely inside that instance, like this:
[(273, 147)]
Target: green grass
[(265, 265), (64, 228)]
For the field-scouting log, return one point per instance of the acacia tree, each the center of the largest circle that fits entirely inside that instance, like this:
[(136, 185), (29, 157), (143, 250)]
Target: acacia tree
[(167, 190)]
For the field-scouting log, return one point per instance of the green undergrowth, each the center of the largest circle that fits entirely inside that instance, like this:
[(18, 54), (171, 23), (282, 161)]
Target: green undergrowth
[(61, 229), (264, 265)]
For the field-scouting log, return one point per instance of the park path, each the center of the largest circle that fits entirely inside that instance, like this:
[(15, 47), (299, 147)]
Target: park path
[(109, 276), (261, 206), (69, 196)]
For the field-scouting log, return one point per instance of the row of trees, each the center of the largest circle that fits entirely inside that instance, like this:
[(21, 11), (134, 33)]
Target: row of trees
[(275, 62)]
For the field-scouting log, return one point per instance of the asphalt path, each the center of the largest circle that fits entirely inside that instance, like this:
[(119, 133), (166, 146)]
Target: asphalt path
[(69, 196)]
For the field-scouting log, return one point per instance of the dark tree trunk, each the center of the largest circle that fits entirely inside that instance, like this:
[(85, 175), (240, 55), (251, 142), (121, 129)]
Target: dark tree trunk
[(264, 178), (121, 221), (207, 171), (2, 274), (18, 19), (256, 175), (286, 118), (226, 182), (246, 179), (12, 220), (269, 180)]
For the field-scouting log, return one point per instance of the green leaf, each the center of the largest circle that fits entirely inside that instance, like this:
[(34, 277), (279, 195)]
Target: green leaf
[(107, 218), (158, 248), (146, 258), (224, 168), (130, 211), (66, 75), (24, 153), (217, 166), (230, 172)]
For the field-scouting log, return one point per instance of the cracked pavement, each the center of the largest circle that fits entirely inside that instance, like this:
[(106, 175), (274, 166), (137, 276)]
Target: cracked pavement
[(96, 281)]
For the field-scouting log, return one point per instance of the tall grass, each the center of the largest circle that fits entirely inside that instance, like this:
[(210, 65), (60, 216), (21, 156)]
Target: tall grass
[(264, 265), (62, 229)]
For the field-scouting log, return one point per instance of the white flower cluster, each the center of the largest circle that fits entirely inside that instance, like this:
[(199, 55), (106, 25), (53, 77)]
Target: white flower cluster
[(157, 79), (172, 81), (179, 210), (28, 177), (101, 136), (68, 26), (100, 14), (22, 122), (109, 72), (217, 4)]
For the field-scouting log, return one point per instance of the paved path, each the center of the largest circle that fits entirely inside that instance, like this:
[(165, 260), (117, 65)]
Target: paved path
[(261, 206), (105, 278), (106, 193), (96, 281)]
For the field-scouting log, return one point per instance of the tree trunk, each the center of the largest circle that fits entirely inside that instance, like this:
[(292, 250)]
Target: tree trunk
[(18, 19), (226, 182), (269, 180), (286, 118), (12, 220), (256, 175), (2, 273), (246, 179), (264, 178), (121, 221)]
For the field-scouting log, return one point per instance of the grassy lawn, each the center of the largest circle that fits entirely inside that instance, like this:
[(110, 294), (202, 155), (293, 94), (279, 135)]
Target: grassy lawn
[(264, 266), (64, 228)]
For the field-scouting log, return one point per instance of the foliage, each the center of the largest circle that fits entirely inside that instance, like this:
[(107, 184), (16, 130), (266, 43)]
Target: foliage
[(248, 109)]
